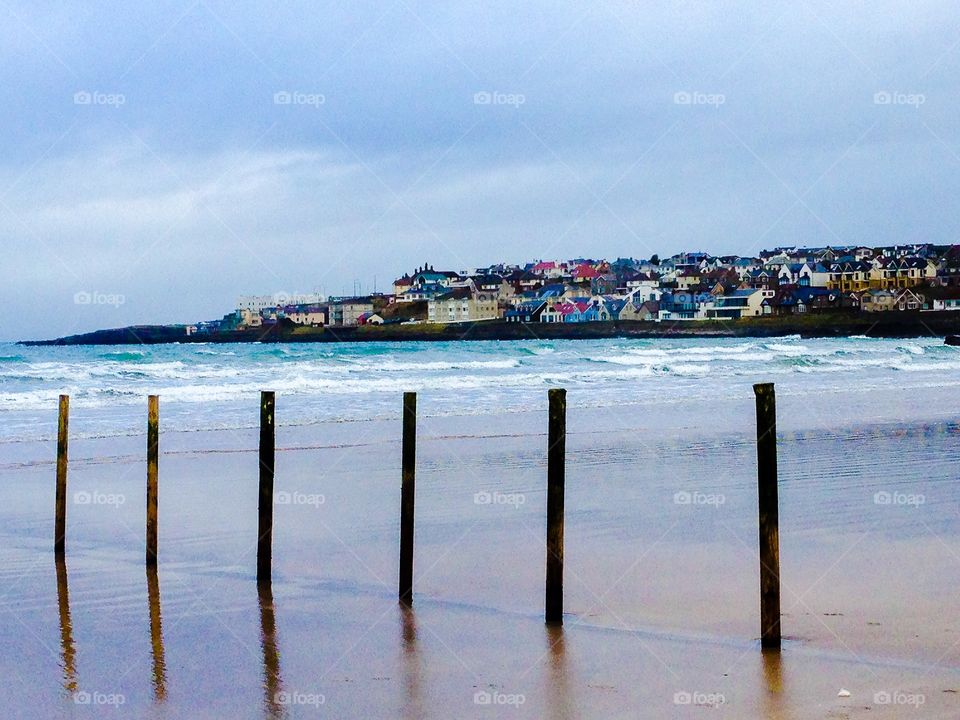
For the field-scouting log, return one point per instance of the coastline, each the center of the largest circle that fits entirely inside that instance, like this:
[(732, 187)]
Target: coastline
[(889, 324)]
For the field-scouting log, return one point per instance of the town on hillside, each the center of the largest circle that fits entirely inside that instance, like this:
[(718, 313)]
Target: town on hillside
[(686, 286)]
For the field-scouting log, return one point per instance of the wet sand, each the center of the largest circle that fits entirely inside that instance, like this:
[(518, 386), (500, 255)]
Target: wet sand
[(661, 595)]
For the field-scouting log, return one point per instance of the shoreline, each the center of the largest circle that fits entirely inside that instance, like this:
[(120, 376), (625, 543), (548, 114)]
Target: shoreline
[(881, 325)]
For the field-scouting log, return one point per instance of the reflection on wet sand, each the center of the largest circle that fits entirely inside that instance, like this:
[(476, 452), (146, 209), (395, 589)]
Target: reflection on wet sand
[(66, 628), (559, 702), (773, 705), (272, 681), (410, 662), (156, 637)]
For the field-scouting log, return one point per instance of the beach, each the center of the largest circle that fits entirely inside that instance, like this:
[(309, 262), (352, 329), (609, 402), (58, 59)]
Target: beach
[(661, 569)]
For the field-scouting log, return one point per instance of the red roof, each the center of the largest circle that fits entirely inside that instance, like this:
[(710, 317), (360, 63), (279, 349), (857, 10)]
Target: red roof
[(584, 272)]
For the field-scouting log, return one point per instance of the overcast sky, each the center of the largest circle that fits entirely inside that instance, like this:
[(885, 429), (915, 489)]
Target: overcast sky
[(161, 161)]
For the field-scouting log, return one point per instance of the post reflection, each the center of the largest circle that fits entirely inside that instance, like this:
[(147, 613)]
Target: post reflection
[(68, 652), (156, 637), (559, 702), (410, 661), (272, 681), (774, 706)]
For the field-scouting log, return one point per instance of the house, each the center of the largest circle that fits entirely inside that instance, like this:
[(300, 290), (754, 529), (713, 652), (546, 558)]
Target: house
[(573, 311), (941, 298), (688, 279), (551, 313), (525, 312), (596, 311), (547, 269), (401, 285), (249, 318), (742, 303), (640, 311), (347, 311), (684, 305), (463, 304), (424, 291), (605, 284), (799, 274), (309, 315), (584, 274), (850, 275), (791, 299), (494, 284), (370, 318), (889, 300), (763, 278), (615, 306), (524, 281)]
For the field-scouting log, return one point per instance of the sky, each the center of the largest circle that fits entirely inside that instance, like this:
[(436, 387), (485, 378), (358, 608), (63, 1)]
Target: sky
[(157, 160)]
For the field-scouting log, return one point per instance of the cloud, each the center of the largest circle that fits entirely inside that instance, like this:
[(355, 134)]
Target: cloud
[(201, 186)]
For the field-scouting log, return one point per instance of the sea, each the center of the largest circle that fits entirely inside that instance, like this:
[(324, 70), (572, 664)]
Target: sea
[(215, 386), (661, 567)]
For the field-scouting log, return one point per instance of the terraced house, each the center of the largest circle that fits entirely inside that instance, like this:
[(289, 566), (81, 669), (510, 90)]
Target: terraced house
[(463, 304)]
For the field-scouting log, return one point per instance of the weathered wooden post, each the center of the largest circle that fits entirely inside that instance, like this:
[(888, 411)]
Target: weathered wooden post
[(60, 509), (153, 453), (407, 494), (769, 515), (267, 451), (556, 452)]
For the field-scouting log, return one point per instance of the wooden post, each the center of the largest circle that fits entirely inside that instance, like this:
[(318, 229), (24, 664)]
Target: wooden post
[(409, 461), (556, 452), (153, 453), (267, 448), (60, 510), (769, 515)]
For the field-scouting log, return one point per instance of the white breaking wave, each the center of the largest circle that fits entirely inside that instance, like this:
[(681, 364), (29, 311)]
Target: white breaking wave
[(216, 385)]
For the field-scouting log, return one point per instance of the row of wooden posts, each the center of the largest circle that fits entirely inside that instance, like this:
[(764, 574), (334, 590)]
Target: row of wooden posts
[(556, 466)]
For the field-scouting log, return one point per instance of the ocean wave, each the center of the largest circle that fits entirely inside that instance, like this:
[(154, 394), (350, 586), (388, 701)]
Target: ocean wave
[(124, 355), (394, 366), (208, 386)]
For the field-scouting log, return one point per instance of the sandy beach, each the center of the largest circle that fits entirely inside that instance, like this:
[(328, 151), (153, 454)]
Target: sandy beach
[(661, 569)]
